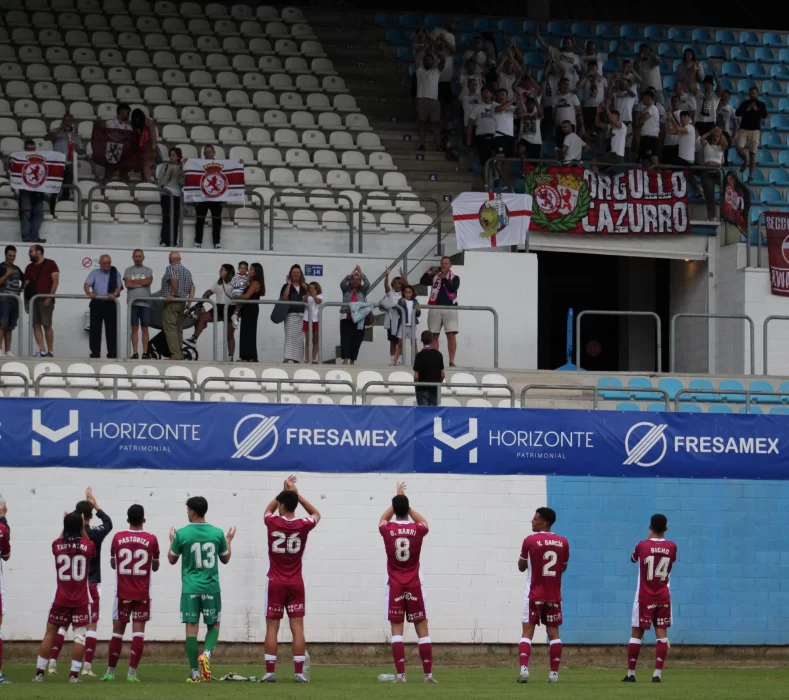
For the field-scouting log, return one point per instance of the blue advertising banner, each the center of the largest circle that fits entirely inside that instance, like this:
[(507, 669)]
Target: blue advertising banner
[(180, 435)]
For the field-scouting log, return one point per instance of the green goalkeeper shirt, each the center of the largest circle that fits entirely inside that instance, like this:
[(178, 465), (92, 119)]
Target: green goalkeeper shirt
[(199, 545)]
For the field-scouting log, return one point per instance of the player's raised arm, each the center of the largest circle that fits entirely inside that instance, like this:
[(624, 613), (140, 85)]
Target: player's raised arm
[(172, 554), (389, 512), (417, 518), (100, 531), (224, 557), (312, 511)]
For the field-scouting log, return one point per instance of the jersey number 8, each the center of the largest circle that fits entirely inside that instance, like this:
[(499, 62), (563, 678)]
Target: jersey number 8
[(125, 559), (71, 569), (292, 543), (402, 549)]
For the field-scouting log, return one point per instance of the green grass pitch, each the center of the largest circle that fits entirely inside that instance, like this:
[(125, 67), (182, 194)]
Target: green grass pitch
[(338, 683)]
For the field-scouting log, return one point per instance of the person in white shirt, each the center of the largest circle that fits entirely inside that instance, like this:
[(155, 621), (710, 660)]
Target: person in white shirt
[(727, 121), (469, 98), (551, 76), (567, 108), (481, 127), (590, 53), (618, 131), (671, 141), (504, 140), (509, 70), (687, 102), (479, 54), (714, 145), (594, 86), (121, 121), (565, 57), (631, 76), (686, 141), (428, 108), (445, 42), (649, 124), (648, 67), (707, 103), (314, 299), (573, 147), (529, 138), (624, 99)]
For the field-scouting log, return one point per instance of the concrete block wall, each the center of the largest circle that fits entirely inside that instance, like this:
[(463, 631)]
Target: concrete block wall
[(730, 584)]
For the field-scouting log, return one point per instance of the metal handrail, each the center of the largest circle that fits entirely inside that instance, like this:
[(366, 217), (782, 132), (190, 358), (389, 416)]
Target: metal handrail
[(378, 195), (739, 392), (104, 188), (268, 302), (163, 301), (254, 193), (673, 334), (629, 390), (79, 208), (325, 195), (116, 378), (18, 297), (764, 339), (598, 312), (554, 387), (449, 385), (25, 379), (596, 391), (279, 381), (35, 297)]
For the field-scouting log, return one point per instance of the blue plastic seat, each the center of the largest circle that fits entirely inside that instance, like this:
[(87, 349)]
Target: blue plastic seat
[(755, 70), (783, 55), (434, 21), (614, 383), (732, 69), (701, 35), (484, 24), (629, 31), (762, 53), (667, 50), (581, 29), (677, 34), (384, 19), (783, 105), (668, 82), (654, 33), (779, 411), (509, 26), (396, 36), (405, 54), (783, 390), (610, 65), (779, 122), (690, 408), (778, 177), (412, 20), (719, 408), (772, 39), (745, 84), (671, 386), (556, 28), (778, 70), (529, 26), (534, 59), (783, 158), (628, 407), (656, 408), (715, 51), (740, 53), (703, 386), (726, 84), (762, 385), (771, 195), (752, 410), (731, 385), (605, 31), (764, 157), (626, 48), (749, 38), (772, 139), (642, 383), (524, 43), (463, 24), (757, 176), (725, 37)]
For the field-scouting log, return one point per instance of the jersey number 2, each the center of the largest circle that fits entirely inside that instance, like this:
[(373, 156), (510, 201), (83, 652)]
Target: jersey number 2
[(125, 557), (71, 569), (292, 543), (550, 559), (204, 555), (660, 571)]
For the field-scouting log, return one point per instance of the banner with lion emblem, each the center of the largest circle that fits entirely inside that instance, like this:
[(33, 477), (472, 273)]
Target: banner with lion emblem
[(213, 181), (635, 201), (115, 148), (488, 220), (37, 171)]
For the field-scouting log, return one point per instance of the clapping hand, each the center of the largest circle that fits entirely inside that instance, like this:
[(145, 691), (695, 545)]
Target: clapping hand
[(231, 533), (290, 484), (401, 488), (172, 535)]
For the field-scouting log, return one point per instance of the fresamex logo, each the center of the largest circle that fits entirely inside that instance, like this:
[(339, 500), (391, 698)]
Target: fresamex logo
[(56, 435)]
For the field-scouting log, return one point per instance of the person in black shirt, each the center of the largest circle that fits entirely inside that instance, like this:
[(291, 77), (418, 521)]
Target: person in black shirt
[(751, 112), (428, 367), (96, 535)]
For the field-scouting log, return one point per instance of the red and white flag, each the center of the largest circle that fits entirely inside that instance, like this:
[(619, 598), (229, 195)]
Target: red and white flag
[(37, 171), (213, 181), (488, 220)]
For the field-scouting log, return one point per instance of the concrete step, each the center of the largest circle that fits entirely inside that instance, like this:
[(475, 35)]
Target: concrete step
[(410, 163)]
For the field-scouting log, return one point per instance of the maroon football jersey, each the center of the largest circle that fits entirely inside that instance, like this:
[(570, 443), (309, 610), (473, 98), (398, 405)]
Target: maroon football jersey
[(655, 558), (286, 542), (547, 555), (403, 543), (133, 552), (5, 541), (72, 560)]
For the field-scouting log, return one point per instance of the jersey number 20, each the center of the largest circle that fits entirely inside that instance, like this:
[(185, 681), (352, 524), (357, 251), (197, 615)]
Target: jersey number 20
[(125, 567), (71, 569)]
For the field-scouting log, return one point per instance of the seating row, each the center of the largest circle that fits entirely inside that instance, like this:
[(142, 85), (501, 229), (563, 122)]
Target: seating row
[(698, 390)]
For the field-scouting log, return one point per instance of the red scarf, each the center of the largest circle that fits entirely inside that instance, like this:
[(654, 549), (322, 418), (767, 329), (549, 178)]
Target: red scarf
[(353, 298)]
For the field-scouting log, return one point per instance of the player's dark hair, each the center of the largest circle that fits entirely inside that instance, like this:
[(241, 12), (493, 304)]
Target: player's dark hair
[(401, 506), (136, 514), (72, 527), (548, 515), (85, 509), (288, 499), (658, 524), (198, 504)]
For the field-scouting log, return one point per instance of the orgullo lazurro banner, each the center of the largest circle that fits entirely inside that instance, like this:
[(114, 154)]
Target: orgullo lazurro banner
[(37, 171), (569, 199), (776, 226), (214, 181), (108, 434)]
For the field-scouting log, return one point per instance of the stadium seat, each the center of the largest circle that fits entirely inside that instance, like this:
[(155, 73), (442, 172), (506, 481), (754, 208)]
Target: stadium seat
[(764, 386), (772, 39), (702, 386), (610, 384)]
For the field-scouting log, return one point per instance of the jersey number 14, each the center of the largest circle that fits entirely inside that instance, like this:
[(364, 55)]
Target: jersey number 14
[(660, 571)]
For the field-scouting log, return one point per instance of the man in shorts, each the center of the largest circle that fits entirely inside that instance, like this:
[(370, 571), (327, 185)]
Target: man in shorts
[(138, 280), (444, 286), (751, 112), (10, 289), (202, 547), (42, 276), (428, 67)]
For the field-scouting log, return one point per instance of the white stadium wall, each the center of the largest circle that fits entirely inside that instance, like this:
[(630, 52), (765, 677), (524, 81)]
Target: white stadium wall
[(473, 589)]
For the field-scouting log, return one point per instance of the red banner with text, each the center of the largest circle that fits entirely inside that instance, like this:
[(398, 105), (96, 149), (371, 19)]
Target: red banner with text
[(777, 228), (568, 199)]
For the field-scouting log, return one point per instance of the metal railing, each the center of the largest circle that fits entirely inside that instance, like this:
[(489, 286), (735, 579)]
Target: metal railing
[(116, 379), (759, 221), (162, 301), (321, 195), (439, 385), (78, 191), (268, 302), (31, 315), (104, 187), (597, 312), (24, 377), (765, 344), (261, 219), (596, 393), (279, 381), (673, 335), (697, 396), (377, 195), (18, 298)]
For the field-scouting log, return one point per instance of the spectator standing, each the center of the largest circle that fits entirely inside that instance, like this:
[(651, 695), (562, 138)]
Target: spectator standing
[(294, 289), (504, 139), (147, 143), (648, 68), (686, 138), (480, 55), (138, 280), (469, 98), (428, 67), (565, 57), (354, 288), (689, 72), (42, 276), (67, 141), (550, 88), (221, 290), (121, 121), (444, 40), (624, 99), (573, 146), (202, 209), (631, 76), (11, 285), (410, 304), (595, 87), (567, 108), (707, 102), (751, 112), (727, 121), (671, 140), (314, 299), (248, 336), (239, 284), (390, 304), (481, 127), (649, 126), (687, 101), (444, 285), (177, 286), (171, 178), (104, 282), (591, 53), (31, 209), (714, 145), (530, 136), (618, 131), (509, 69), (428, 367)]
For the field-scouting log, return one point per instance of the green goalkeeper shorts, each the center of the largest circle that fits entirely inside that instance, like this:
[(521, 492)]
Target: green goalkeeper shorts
[(195, 604)]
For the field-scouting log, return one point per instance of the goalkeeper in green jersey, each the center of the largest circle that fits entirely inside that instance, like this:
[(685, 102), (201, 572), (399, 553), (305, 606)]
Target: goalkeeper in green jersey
[(202, 547)]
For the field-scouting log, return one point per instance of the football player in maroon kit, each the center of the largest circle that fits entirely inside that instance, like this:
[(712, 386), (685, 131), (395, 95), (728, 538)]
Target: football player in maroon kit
[(405, 594), (134, 554), (287, 539), (73, 552), (545, 555), (655, 557)]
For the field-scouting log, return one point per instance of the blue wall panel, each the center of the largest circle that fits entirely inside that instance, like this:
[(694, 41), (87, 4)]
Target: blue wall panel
[(730, 584)]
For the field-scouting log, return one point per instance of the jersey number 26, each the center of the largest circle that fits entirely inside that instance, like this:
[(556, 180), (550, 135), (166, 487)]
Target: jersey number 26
[(286, 543)]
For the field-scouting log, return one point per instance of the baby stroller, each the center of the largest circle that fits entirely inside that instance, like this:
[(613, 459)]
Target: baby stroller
[(157, 345)]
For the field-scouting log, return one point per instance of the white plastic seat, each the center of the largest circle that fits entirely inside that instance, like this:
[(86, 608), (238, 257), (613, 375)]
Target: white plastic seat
[(478, 403), (311, 375), (212, 373), (221, 397), (286, 47), (146, 377), (306, 220), (338, 179), (302, 31), (298, 158), (200, 134), (296, 65), (270, 156), (243, 153), (156, 396), (157, 96), (90, 394), (329, 121), (365, 377), (235, 45), (92, 75), (41, 369), (286, 138), (369, 142), (231, 135), (28, 108), (383, 401), (291, 101), (237, 98), (113, 369), (309, 177), (246, 217), (334, 84), (495, 379), (366, 180), (379, 201), (263, 99), (325, 159), (126, 213), (19, 368), (464, 378), (255, 176), (353, 160), (320, 400), (254, 82), (394, 181), (174, 132), (338, 374), (318, 102), (192, 115), (56, 394), (287, 398), (342, 141), (257, 136), (34, 128), (449, 402), (392, 222), (117, 192), (381, 161), (322, 66), (312, 49), (254, 398), (275, 373), (81, 368), (270, 64), (312, 138), (357, 122), (199, 27), (333, 220), (257, 45), (401, 376), (281, 177), (419, 222), (350, 401)]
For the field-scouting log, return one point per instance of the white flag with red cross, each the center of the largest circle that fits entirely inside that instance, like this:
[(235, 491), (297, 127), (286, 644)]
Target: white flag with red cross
[(488, 220)]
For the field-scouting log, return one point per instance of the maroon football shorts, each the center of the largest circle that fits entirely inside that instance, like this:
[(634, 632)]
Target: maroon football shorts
[(658, 614), (406, 603), (63, 617), (548, 614), (127, 611), (284, 596)]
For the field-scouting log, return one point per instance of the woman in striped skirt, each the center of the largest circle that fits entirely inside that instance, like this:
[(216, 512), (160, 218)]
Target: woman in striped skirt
[(294, 289)]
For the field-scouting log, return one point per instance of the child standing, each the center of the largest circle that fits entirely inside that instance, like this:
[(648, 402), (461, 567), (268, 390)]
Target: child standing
[(238, 285), (314, 298), (392, 322), (410, 305)]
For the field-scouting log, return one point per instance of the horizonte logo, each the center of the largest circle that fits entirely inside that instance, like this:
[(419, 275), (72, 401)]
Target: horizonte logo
[(145, 431)]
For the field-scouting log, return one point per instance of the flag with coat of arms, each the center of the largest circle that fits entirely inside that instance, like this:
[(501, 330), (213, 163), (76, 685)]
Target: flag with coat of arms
[(213, 181), (489, 220), (37, 171)]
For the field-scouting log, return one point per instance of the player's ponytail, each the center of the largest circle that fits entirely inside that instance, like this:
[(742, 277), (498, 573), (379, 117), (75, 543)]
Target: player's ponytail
[(72, 528)]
